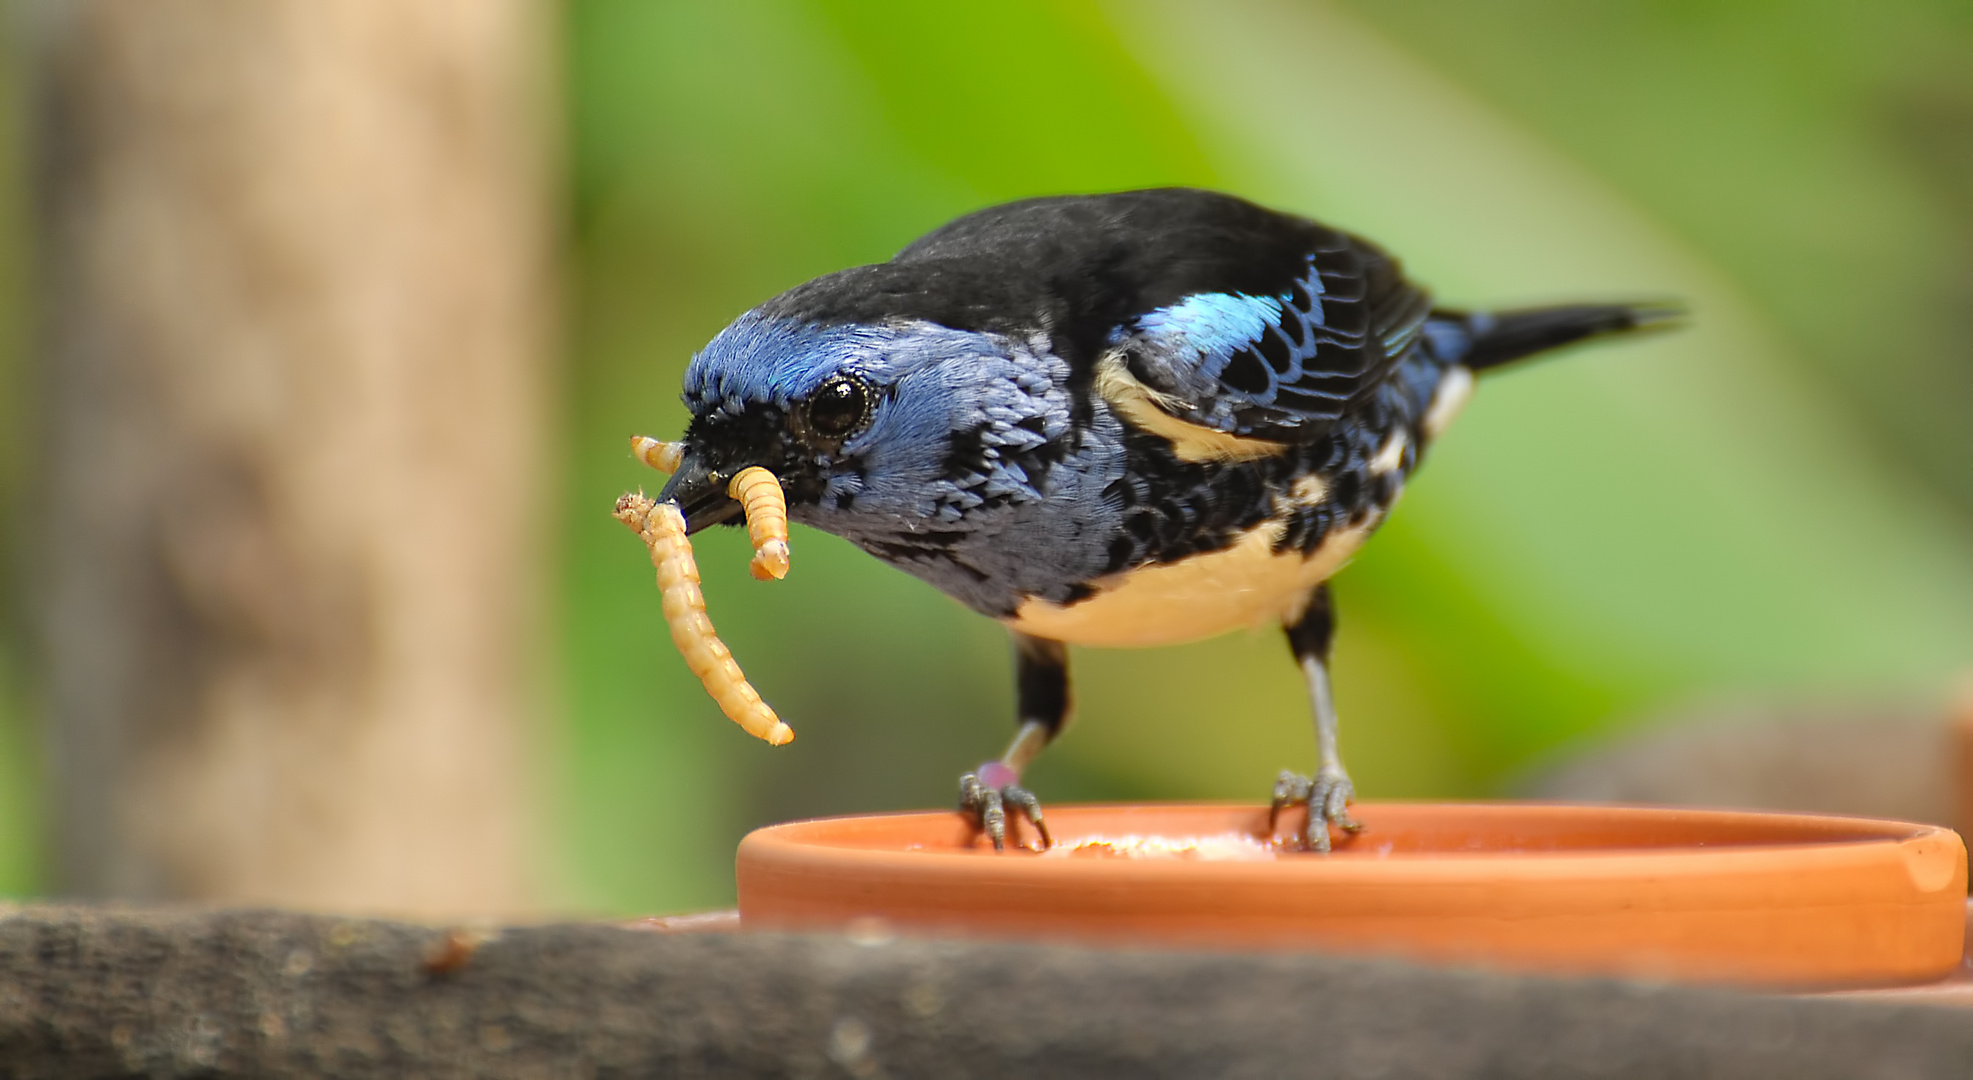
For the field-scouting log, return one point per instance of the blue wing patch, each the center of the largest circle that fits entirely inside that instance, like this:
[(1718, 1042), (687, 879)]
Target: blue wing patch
[(1214, 322), (1280, 367)]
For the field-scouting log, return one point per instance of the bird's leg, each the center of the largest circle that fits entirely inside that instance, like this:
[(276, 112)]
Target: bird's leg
[(1041, 680), (1328, 792)]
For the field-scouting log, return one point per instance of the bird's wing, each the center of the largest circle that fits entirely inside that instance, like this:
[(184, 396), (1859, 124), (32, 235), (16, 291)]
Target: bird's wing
[(1277, 367)]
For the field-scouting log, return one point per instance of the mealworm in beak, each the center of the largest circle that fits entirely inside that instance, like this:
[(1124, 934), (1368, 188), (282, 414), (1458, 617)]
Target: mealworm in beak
[(756, 490), (760, 495), (662, 456), (662, 527)]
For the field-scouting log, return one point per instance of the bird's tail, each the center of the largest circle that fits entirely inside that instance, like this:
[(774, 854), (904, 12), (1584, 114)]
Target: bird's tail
[(1488, 339)]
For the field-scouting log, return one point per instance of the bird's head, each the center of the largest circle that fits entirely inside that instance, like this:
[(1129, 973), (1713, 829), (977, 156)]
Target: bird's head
[(876, 425)]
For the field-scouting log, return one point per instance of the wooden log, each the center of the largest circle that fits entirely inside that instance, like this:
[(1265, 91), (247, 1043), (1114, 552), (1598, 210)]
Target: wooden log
[(93, 992)]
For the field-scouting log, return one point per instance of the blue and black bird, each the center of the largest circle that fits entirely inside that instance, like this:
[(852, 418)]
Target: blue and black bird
[(1130, 419)]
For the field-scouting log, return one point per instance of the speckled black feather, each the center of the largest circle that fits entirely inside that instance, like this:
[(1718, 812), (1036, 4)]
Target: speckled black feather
[(1176, 509)]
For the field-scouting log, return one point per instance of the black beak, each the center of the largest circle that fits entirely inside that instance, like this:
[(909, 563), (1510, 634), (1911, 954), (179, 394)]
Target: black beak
[(700, 493)]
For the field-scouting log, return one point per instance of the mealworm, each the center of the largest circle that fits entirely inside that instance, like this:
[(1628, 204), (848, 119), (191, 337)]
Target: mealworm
[(662, 528), (662, 456), (760, 494), (756, 490)]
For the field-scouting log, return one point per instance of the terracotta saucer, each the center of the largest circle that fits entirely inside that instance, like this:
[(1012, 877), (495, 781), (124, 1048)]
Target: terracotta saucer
[(1775, 900)]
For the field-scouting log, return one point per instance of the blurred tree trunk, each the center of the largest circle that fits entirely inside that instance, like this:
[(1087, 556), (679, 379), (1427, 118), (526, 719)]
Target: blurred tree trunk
[(294, 279)]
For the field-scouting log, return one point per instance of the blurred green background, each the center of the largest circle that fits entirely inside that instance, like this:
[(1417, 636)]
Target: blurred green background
[(1778, 501)]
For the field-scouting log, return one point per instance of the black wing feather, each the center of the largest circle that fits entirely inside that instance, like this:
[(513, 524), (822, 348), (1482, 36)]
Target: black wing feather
[(1284, 364)]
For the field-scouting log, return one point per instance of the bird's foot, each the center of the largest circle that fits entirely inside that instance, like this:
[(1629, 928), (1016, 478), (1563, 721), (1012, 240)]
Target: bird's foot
[(990, 792), (1327, 795)]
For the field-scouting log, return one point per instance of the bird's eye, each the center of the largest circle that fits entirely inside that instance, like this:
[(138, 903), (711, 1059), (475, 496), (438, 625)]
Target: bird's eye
[(838, 409)]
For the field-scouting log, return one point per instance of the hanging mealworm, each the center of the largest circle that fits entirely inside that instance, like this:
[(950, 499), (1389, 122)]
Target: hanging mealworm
[(754, 488), (760, 494), (662, 528)]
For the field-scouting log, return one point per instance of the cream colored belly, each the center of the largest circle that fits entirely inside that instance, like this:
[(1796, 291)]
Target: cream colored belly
[(1245, 585)]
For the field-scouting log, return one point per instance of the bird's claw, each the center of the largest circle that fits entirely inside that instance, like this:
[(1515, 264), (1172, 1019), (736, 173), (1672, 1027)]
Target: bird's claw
[(1327, 795), (990, 804)]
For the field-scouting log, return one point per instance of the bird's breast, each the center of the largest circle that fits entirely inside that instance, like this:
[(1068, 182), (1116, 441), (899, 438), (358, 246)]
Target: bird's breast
[(1245, 584)]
